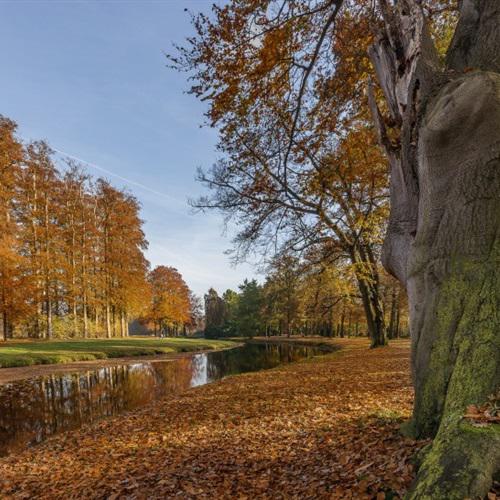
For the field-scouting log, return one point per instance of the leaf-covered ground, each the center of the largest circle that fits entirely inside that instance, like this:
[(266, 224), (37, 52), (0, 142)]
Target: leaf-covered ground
[(321, 428)]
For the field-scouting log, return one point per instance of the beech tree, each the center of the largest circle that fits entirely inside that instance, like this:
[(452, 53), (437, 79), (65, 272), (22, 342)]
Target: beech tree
[(438, 124), (441, 137)]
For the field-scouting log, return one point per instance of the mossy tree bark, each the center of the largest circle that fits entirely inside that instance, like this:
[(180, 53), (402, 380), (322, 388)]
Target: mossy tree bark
[(443, 240)]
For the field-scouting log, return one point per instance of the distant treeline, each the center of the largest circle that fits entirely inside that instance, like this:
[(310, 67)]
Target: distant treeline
[(301, 298), (71, 252)]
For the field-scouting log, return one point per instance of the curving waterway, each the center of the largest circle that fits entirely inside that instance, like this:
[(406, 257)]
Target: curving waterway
[(33, 409)]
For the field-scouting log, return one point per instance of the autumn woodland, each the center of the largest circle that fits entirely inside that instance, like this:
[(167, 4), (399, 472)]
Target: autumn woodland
[(73, 260), (74, 266), (357, 170)]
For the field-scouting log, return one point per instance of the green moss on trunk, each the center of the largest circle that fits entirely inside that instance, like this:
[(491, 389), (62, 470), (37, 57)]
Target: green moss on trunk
[(460, 464), (464, 358), (463, 369)]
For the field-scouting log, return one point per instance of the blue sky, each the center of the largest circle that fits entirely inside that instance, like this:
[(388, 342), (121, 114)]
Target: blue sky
[(91, 78)]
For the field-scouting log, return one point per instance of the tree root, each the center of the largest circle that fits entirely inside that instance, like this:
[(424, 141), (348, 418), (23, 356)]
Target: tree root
[(460, 464)]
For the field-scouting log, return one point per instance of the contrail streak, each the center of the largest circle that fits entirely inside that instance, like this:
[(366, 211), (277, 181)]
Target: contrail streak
[(124, 179)]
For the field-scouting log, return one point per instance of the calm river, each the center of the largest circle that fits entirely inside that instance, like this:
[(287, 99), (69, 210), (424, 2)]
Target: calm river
[(32, 409)]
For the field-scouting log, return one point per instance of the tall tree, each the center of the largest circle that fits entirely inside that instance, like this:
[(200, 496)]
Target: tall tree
[(121, 262), (282, 291), (231, 302), (249, 316), (215, 314), (72, 219), (171, 305), (300, 163), (11, 295), (39, 192)]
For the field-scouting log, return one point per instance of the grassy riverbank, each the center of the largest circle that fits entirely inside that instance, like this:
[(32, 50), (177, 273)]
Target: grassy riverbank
[(27, 353), (326, 427)]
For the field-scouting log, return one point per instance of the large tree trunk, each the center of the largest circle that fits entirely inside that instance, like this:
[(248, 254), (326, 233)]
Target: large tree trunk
[(443, 241)]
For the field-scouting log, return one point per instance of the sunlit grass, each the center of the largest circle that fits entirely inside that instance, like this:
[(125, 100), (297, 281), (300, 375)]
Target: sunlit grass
[(26, 353)]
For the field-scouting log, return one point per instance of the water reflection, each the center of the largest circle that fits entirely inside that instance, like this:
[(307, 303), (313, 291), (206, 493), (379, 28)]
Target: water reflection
[(31, 410)]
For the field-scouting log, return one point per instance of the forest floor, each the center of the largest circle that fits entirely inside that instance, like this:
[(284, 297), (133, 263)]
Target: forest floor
[(326, 427), (47, 352)]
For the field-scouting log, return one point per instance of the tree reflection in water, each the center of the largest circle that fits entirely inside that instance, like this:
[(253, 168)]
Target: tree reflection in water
[(31, 410)]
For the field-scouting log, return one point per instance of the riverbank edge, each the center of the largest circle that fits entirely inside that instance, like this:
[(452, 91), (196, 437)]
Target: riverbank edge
[(318, 342), (13, 374)]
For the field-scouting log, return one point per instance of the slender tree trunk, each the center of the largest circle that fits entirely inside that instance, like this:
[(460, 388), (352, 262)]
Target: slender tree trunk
[(122, 324), (73, 277), (48, 305), (85, 316), (392, 321), (443, 241), (372, 306), (75, 318), (342, 322), (113, 320), (5, 319), (108, 320), (97, 321), (48, 265), (37, 330), (396, 331), (5, 322)]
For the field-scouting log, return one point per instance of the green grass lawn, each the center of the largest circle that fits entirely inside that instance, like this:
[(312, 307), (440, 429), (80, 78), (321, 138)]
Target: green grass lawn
[(26, 353)]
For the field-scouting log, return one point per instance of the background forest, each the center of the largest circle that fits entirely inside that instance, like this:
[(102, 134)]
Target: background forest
[(73, 265), (72, 261), (302, 298)]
